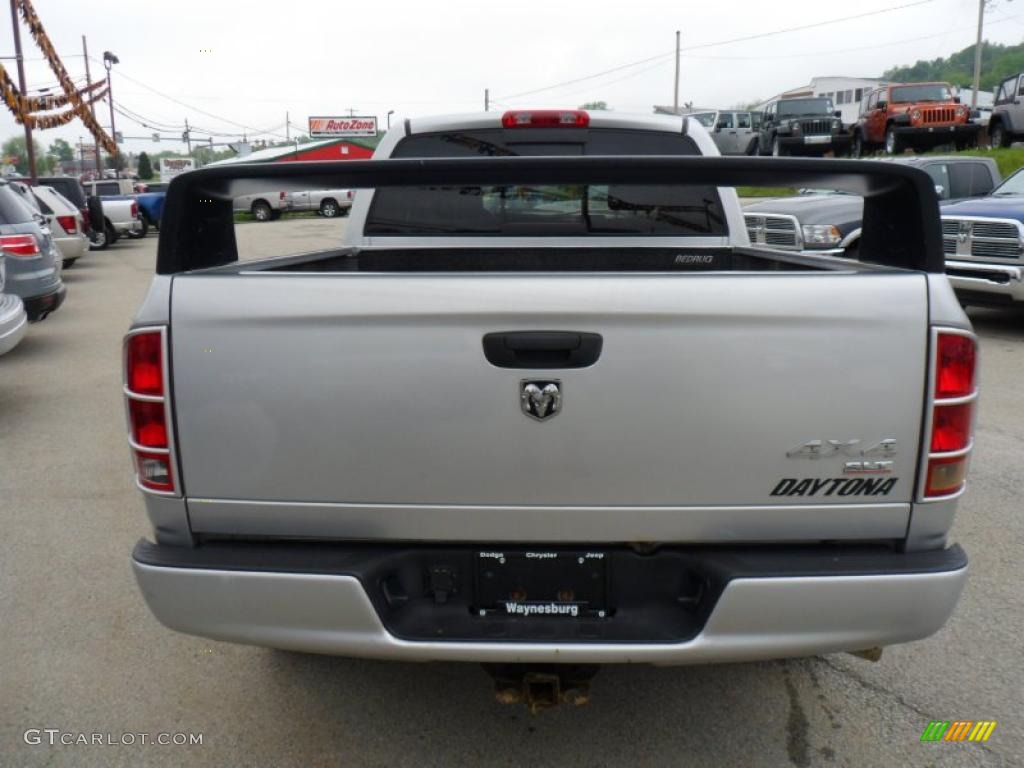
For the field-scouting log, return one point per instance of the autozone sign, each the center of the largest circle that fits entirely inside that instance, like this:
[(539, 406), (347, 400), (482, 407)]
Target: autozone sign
[(323, 127)]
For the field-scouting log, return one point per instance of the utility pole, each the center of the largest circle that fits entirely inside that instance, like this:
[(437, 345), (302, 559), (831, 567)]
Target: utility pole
[(287, 124), (977, 55), (92, 106), (675, 92), (188, 138), (487, 99), (29, 149), (109, 60)]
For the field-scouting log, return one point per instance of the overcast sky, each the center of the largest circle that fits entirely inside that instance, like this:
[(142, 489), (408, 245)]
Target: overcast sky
[(322, 58)]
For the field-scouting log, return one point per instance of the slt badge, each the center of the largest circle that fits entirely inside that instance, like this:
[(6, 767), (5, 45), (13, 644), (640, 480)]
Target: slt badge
[(540, 400)]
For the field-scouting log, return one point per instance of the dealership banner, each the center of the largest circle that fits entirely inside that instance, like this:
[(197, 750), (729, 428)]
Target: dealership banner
[(329, 127), (174, 166)]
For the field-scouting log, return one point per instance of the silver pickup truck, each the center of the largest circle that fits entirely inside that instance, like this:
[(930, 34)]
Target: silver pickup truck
[(329, 203), (552, 410), (120, 211)]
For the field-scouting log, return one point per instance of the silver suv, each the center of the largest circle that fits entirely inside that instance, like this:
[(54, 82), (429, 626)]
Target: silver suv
[(734, 133), (33, 263)]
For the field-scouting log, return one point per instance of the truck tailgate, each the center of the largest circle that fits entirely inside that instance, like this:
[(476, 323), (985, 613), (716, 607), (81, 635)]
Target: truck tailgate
[(362, 405)]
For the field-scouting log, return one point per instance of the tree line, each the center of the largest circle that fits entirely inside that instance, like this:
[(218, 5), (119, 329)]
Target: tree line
[(997, 63)]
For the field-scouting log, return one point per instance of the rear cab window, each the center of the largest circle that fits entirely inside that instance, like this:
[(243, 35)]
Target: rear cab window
[(970, 180), (546, 210)]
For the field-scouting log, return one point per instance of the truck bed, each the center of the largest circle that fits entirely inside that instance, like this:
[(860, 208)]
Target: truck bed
[(678, 259)]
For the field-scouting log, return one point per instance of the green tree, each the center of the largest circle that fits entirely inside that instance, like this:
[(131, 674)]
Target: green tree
[(116, 161), (14, 152), (997, 63), (64, 151), (595, 106), (145, 167)]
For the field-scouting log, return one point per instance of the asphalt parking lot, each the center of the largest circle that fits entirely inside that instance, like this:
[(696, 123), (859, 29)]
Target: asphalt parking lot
[(80, 652)]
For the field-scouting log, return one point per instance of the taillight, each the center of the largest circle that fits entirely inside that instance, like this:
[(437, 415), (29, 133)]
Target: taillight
[(86, 226), (154, 471), (283, 194), (135, 210), (68, 223), (951, 427), (545, 118), (149, 428), (952, 401), (144, 364), (954, 366), (24, 246), (148, 410), (349, 194)]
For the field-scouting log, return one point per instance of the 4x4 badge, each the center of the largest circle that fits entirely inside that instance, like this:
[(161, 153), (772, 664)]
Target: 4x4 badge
[(540, 400)]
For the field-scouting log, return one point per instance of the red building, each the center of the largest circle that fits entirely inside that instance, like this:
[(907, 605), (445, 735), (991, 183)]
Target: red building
[(325, 149)]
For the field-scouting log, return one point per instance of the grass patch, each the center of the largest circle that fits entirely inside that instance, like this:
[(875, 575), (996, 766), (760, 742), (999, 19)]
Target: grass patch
[(246, 217), (1009, 160), (765, 191)]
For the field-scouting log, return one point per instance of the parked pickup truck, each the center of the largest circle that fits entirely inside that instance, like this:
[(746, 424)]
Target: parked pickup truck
[(983, 240), (264, 206), (327, 202), (826, 223), (120, 211), (913, 116), (599, 430)]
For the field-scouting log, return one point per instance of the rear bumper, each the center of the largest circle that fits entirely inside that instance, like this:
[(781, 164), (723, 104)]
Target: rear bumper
[(13, 322), (764, 604), (124, 227), (38, 307), (73, 247), (983, 283)]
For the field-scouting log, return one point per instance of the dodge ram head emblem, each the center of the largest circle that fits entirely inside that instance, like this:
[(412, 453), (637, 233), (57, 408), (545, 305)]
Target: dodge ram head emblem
[(540, 400), (963, 231)]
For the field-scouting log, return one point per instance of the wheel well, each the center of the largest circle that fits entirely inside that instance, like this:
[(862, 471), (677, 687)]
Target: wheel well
[(328, 200), (258, 202)]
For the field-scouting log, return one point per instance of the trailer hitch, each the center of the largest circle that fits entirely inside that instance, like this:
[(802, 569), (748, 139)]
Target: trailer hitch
[(542, 686)]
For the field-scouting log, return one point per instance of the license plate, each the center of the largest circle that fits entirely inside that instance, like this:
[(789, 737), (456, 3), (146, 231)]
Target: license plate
[(541, 584), (817, 139)]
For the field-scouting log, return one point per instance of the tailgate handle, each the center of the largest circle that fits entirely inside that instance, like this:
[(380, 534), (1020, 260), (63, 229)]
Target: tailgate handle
[(542, 349)]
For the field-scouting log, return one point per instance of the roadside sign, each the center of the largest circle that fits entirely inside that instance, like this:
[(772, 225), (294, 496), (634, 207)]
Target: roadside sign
[(329, 127), (174, 166)]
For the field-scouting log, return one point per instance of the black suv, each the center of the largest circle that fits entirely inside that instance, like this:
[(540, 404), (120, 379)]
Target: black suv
[(807, 126)]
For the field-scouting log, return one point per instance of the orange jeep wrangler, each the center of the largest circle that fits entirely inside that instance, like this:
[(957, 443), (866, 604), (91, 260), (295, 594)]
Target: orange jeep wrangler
[(915, 116)]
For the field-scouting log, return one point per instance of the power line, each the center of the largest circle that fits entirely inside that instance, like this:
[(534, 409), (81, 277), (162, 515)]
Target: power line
[(833, 51), (702, 46), (248, 128)]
